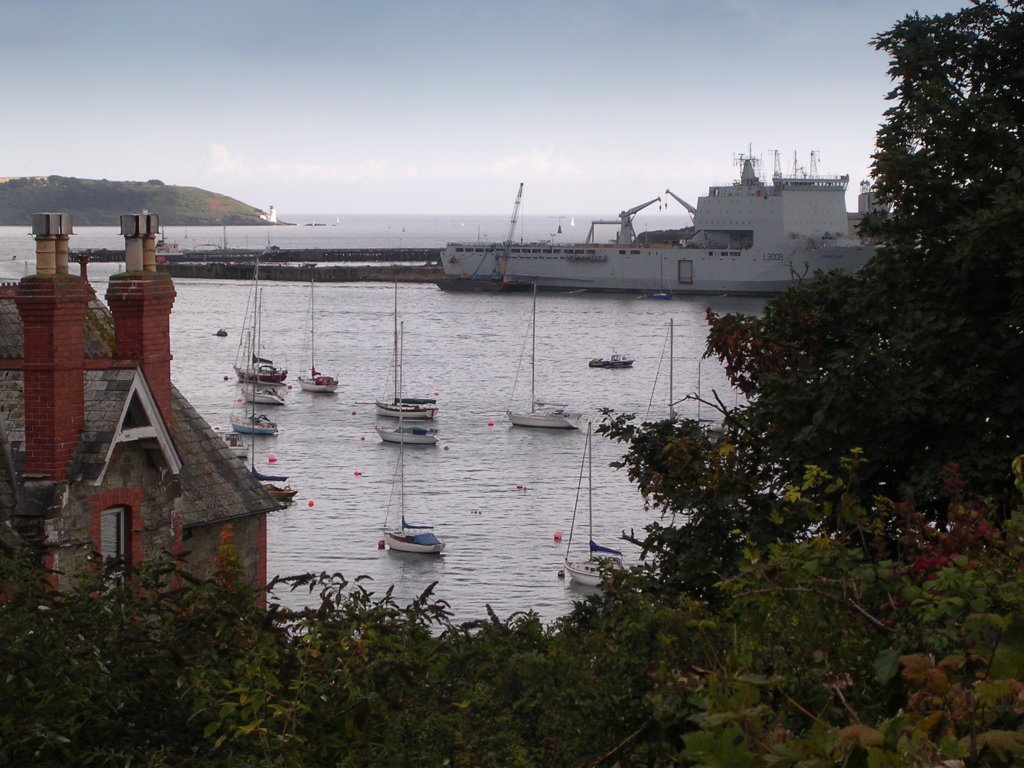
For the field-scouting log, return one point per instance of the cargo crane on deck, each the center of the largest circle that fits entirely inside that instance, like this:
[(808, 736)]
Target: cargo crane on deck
[(503, 261), (678, 199), (626, 234)]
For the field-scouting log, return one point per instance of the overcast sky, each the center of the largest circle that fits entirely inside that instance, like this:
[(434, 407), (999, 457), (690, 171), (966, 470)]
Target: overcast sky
[(441, 106)]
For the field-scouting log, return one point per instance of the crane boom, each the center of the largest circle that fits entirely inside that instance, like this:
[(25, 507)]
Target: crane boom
[(678, 199), (515, 218), (636, 209), (627, 236)]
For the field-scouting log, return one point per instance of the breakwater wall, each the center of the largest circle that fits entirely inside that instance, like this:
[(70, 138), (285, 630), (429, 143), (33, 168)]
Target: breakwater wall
[(389, 273), (279, 255)]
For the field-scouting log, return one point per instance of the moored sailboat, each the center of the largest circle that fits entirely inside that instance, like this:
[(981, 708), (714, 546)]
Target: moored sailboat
[(588, 571), (399, 406), (541, 414), (315, 381), (414, 434)]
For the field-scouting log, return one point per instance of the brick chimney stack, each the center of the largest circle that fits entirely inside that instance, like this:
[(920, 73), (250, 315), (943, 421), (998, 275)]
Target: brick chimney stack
[(140, 300), (52, 305)]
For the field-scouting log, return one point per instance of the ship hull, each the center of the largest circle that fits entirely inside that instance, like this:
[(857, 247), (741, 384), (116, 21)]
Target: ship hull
[(629, 269)]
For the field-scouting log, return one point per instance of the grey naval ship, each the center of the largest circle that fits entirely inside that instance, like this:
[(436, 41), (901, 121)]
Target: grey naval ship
[(750, 237)]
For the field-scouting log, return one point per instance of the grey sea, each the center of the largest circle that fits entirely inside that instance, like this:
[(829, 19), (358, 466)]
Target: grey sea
[(502, 497)]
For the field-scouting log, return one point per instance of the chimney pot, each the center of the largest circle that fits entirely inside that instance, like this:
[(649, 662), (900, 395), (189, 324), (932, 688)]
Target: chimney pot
[(50, 224)]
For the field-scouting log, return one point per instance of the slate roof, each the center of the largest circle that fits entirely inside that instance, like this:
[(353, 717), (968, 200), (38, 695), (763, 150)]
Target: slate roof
[(216, 485)]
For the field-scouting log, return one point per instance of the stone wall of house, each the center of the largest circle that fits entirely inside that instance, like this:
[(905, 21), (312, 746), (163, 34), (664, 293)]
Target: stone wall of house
[(135, 479), (201, 545)]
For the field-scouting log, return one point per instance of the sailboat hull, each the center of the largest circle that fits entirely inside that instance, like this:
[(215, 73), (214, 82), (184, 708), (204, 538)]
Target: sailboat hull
[(544, 419), (416, 544), (587, 573), (407, 435), (326, 384), (406, 411), (264, 395)]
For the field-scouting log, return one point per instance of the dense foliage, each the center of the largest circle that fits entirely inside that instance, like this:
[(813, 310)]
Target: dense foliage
[(818, 653), (838, 579), (99, 202)]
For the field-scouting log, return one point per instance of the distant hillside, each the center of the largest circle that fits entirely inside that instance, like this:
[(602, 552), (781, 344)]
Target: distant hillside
[(100, 202)]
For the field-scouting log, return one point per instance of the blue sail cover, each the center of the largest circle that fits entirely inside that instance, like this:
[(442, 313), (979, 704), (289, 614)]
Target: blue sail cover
[(597, 548), (267, 478), (416, 527)]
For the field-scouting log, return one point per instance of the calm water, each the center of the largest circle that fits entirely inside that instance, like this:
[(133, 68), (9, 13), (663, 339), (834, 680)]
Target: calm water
[(497, 494)]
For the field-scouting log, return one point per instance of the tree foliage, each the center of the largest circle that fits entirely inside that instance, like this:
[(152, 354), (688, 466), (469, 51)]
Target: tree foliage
[(916, 359)]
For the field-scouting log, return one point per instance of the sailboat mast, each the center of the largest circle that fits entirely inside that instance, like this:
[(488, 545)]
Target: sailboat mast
[(401, 434), (312, 333), (533, 352), (396, 347), (590, 486), (671, 355)]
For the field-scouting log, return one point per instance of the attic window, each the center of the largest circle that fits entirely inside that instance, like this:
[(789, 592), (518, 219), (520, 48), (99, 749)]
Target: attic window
[(136, 416)]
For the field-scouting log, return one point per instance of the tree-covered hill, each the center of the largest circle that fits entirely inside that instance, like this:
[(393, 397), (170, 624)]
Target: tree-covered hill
[(100, 202)]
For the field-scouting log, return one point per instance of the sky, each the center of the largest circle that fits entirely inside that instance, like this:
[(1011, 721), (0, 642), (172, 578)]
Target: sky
[(443, 107)]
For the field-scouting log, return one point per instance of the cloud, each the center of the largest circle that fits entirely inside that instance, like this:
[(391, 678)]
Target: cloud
[(533, 163)]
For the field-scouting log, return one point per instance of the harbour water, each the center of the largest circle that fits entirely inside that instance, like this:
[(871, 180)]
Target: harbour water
[(498, 495)]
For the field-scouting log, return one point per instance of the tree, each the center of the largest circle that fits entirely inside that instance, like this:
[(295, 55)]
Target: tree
[(910, 366), (917, 359)]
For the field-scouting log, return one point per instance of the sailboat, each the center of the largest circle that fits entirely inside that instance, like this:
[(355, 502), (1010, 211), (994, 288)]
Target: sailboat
[(254, 391), (408, 537), (413, 408), (541, 414), (587, 572), (405, 433), (315, 381)]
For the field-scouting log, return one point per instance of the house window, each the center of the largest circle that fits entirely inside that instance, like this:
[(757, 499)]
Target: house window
[(114, 534)]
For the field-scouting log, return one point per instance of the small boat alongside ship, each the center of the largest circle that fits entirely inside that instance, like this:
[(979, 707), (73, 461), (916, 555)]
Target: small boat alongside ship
[(752, 237)]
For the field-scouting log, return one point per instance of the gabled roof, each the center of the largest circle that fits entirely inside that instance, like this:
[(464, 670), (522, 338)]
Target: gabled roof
[(139, 417)]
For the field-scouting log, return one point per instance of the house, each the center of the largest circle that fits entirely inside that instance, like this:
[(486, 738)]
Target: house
[(100, 454)]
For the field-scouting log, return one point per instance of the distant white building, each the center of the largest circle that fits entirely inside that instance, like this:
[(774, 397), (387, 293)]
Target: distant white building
[(270, 218)]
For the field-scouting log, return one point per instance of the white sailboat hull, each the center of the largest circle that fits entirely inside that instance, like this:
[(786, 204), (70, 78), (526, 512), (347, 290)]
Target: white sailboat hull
[(320, 384), (406, 411), (545, 419), (583, 572), (245, 426), (587, 573), (264, 396), (401, 542), (407, 435)]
